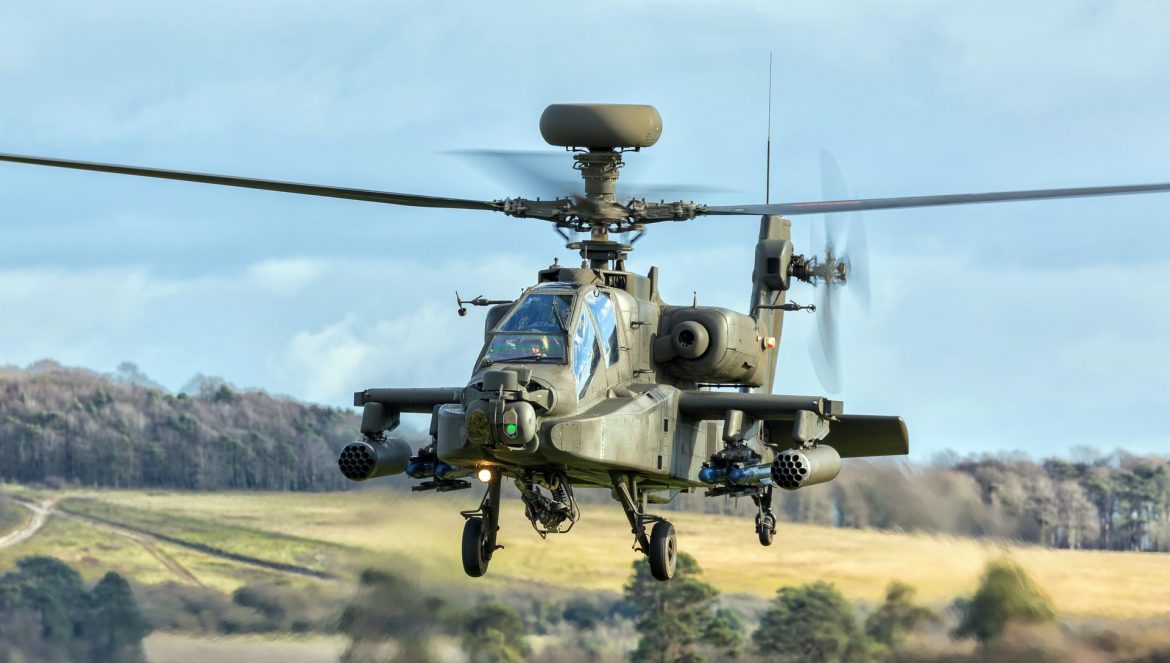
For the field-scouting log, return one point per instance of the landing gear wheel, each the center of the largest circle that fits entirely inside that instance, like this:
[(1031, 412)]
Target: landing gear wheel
[(475, 553), (766, 528), (663, 551)]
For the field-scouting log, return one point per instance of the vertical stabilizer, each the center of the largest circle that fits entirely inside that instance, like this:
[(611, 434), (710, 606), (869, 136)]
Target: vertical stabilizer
[(770, 284)]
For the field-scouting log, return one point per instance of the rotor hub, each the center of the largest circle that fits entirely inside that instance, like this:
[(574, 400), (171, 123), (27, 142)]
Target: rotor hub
[(600, 170), (600, 253)]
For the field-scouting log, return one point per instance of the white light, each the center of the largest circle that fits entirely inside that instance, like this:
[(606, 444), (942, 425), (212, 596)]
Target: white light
[(484, 475)]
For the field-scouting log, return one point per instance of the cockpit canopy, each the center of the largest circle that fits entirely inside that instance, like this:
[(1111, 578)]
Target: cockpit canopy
[(541, 328), (534, 330)]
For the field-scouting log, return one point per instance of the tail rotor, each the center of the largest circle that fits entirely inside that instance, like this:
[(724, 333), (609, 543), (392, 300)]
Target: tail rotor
[(844, 260)]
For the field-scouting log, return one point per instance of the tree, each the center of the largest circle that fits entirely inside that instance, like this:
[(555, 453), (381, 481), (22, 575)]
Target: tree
[(390, 619), (79, 426), (494, 633), (47, 614), (54, 590), (897, 616), (725, 633), (1005, 594), (582, 613), (117, 626), (810, 623), (671, 615)]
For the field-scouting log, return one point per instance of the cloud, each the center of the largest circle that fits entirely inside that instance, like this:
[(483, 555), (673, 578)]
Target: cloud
[(979, 356), (421, 348), (286, 277)]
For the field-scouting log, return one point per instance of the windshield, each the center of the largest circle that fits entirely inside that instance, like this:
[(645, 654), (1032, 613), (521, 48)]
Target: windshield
[(585, 351), (533, 331), (526, 347), (539, 313), (603, 312)]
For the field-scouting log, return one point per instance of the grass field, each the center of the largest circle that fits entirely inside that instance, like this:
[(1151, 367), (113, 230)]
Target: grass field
[(341, 532), (174, 648), (11, 518)]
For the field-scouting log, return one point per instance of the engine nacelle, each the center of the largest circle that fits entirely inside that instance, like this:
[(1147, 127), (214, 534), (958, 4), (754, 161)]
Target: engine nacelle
[(710, 344)]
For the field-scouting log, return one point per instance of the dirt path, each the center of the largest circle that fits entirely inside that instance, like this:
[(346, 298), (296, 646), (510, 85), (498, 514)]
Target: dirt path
[(144, 535), (40, 514), (177, 569), (145, 538)]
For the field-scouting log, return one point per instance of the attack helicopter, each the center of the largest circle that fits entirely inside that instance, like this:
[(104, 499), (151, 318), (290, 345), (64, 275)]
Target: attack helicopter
[(590, 379)]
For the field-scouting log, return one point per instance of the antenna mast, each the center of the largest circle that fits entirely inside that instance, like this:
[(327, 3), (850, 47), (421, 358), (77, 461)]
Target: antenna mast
[(768, 157)]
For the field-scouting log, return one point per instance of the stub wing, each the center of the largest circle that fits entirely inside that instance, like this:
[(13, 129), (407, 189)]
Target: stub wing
[(864, 435), (852, 435)]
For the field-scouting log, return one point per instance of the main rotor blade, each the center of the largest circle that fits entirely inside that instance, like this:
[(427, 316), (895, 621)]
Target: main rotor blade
[(822, 207), (540, 173), (833, 188), (267, 185), (536, 173)]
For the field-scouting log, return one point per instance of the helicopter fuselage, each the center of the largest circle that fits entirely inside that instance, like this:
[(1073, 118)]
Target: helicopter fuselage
[(590, 402)]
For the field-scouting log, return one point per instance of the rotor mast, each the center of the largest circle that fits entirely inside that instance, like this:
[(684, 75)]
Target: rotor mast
[(598, 134), (600, 169)]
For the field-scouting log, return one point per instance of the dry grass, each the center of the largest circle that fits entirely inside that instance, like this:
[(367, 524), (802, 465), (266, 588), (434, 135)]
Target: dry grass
[(422, 532), (12, 516), (88, 549), (176, 648)]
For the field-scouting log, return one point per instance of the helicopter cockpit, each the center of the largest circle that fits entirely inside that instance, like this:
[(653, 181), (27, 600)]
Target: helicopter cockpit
[(534, 330), (541, 328)]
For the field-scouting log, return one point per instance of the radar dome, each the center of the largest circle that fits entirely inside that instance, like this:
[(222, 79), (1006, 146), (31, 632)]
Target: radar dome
[(601, 126)]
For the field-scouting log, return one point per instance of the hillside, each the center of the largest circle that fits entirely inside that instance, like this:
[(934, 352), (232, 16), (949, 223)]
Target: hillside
[(226, 540), (72, 427), (78, 427)]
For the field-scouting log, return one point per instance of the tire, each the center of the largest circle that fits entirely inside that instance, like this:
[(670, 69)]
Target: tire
[(663, 551), (475, 558), (767, 530)]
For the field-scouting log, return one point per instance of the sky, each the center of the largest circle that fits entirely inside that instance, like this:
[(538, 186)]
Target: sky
[(1036, 326)]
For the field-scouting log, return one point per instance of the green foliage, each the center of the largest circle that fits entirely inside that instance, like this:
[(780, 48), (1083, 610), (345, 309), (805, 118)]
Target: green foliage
[(259, 599), (725, 633), (493, 632), (47, 614), (671, 615), (11, 515), (118, 626), (390, 614), (810, 623), (1005, 594), (583, 613), (263, 607), (897, 616)]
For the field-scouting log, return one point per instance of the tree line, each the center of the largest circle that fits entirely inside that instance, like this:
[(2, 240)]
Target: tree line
[(48, 613), (1114, 501), (121, 430), (1006, 618), (75, 426)]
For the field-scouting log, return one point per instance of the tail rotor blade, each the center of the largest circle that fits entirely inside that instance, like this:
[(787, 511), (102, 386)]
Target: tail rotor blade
[(841, 239), (824, 348)]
